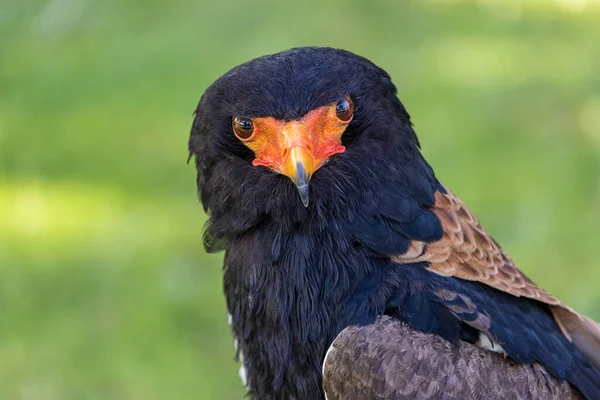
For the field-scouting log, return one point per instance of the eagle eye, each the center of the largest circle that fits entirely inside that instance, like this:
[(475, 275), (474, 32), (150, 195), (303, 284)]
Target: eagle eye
[(243, 128), (344, 109)]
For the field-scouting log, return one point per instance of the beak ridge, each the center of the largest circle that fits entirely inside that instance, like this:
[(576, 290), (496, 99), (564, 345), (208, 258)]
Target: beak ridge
[(299, 168), (300, 162)]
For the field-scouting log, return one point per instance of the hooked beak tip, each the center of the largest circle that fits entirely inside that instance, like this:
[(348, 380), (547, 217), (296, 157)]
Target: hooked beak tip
[(301, 180), (303, 191)]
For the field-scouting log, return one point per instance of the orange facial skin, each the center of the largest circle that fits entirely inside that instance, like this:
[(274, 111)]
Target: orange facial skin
[(310, 141)]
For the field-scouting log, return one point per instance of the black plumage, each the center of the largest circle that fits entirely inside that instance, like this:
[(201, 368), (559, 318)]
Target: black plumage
[(296, 276)]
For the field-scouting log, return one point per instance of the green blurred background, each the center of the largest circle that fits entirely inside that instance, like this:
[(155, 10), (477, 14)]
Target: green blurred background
[(105, 291)]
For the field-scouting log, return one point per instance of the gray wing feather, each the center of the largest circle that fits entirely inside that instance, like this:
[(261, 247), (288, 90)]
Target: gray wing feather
[(388, 360)]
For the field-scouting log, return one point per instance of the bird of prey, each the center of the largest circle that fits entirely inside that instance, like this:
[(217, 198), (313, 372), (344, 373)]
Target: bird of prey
[(350, 271)]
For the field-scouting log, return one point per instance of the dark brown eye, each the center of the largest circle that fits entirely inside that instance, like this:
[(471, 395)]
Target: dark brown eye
[(242, 127), (345, 109)]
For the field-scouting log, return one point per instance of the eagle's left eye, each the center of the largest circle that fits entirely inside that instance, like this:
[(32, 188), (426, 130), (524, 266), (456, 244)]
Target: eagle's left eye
[(344, 109)]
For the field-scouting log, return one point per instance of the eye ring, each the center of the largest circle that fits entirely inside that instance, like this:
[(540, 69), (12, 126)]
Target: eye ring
[(243, 128), (344, 109)]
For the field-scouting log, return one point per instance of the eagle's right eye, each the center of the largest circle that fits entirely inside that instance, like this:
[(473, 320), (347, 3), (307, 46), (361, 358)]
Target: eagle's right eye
[(243, 128)]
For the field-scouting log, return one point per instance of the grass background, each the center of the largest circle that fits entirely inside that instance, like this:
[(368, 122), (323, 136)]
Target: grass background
[(105, 291)]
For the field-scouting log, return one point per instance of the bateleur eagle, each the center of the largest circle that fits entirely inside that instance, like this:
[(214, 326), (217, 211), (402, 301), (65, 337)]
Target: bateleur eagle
[(350, 271)]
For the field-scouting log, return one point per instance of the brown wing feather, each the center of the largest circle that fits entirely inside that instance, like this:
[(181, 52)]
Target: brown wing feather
[(467, 251)]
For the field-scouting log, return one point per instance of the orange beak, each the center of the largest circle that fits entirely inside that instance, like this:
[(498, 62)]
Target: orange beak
[(299, 163), (298, 148)]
